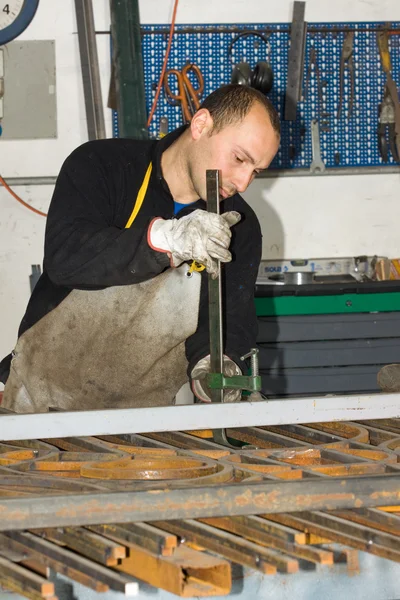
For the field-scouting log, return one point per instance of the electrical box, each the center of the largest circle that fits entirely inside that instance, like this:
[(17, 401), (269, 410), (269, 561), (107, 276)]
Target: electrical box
[(28, 105)]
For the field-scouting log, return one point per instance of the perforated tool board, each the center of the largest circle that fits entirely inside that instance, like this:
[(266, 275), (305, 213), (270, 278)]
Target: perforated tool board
[(347, 142)]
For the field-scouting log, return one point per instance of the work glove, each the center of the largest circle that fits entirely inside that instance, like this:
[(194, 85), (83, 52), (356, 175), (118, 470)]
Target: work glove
[(200, 236), (199, 379)]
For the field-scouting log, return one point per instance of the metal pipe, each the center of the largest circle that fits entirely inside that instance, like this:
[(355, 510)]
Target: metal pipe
[(190, 503), (14, 181), (90, 69), (271, 173), (392, 170)]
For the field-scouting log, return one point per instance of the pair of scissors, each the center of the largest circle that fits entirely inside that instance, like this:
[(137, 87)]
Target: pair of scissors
[(188, 95), (392, 97)]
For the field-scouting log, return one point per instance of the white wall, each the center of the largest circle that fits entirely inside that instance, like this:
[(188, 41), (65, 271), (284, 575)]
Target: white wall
[(301, 217)]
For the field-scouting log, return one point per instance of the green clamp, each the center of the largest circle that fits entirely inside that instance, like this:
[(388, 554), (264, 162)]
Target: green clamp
[(218, 381)]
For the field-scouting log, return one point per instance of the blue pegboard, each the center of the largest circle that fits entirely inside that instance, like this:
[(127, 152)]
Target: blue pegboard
[(355, 140)]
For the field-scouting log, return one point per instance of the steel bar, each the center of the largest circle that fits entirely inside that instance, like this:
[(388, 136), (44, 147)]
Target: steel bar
[(298, 33), (229, 546), (206, 501), (267, 174), (215, 293), (286, 534), (342, 536), (373, 518), (226, 544), (357, 530), (90, 69), (247, 527), (8, 544), (187, 573), (199, 416), (24, 582), (235, 29), (14, 181), (271, 173), (69, 563), (215, 308), (87, 543), (144, 535)]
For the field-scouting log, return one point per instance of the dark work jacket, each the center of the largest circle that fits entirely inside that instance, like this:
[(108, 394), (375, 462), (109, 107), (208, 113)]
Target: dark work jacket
[(87, 246)]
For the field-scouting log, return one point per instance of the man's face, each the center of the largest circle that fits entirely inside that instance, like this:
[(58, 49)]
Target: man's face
[(239, 152)]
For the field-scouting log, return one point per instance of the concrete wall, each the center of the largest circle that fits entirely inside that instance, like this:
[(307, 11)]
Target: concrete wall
[(300, 217)]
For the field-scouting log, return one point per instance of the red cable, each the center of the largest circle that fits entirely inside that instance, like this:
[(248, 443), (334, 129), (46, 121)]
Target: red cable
[(171, 34), (38, 212)]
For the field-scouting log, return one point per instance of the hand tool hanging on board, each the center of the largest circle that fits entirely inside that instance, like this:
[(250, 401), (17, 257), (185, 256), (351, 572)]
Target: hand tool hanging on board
[(296, 61), (188, 94), (386, 128), (313, 67), (347, 62), (216, 380), (317, 165), (383, 45)]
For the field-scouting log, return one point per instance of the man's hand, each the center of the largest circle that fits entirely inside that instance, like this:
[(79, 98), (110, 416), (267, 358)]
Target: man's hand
[(199, 379), (200, 236)]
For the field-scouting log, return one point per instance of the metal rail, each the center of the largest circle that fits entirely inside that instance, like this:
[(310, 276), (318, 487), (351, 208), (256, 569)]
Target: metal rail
[(199, 416), (211, 501), (90, 69)]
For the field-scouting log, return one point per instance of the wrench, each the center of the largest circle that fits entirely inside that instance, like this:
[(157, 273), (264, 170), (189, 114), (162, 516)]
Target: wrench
[(317, 165)]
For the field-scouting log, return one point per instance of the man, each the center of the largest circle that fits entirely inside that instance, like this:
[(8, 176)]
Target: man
[(118, 317)]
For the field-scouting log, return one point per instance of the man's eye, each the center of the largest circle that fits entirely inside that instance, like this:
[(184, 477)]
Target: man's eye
[(239, 159)]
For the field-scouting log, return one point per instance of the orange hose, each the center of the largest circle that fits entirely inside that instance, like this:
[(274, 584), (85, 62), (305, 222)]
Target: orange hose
[(164, 67), (38, 212)]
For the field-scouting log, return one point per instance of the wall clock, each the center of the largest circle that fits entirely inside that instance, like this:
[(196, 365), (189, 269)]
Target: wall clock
[(15, 16)]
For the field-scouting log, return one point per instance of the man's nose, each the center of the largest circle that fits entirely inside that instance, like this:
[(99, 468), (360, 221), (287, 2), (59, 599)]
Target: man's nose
[(243, 180)]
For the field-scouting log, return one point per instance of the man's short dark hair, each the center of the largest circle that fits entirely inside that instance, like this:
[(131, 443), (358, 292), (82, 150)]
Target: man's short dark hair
[(231, 103)]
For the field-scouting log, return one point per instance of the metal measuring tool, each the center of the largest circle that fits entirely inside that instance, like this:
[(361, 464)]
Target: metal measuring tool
[(317, 165), (216, 379)]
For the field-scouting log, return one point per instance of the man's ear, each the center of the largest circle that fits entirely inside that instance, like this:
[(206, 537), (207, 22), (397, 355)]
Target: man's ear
[(201, 123)]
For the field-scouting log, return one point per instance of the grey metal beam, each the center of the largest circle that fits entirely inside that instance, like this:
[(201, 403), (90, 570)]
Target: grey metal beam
[(326, 493)]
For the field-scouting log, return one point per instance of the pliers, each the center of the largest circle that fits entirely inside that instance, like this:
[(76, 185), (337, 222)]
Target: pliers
[(393, 104), (387, 127), (347, 61)]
